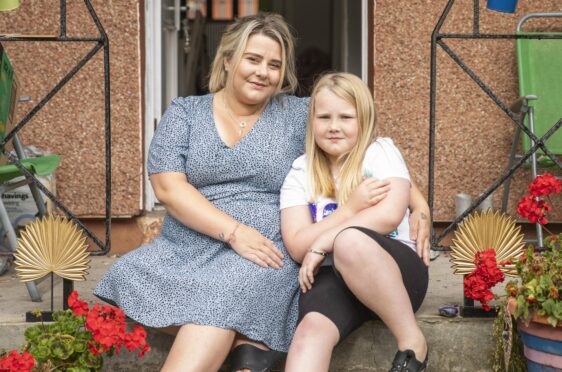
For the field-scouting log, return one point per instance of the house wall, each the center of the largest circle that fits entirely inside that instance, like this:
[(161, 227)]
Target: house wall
[(72, 123), (473, 136)]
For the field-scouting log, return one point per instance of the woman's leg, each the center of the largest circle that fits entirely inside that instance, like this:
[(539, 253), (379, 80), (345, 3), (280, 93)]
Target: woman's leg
[(246, 358), (373, 276), (312, 345), (241, 340), (199, 348)]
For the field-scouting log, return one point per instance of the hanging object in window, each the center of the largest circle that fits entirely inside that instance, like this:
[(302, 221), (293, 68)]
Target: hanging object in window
[(222, 10), (247, 7), (196, 5)]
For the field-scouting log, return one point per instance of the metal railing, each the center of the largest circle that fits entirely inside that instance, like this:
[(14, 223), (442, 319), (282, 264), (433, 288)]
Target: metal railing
[(101, 42), (438, 39)]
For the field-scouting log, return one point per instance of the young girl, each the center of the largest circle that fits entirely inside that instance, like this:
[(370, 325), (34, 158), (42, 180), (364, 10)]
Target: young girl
[(357, 260)]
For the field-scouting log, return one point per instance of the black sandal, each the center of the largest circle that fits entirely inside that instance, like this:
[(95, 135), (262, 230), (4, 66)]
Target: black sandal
[(405, 361), (248, 356)]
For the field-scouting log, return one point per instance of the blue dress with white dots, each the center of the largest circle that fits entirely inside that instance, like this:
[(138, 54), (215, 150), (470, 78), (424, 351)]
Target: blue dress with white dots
[(187, 277)]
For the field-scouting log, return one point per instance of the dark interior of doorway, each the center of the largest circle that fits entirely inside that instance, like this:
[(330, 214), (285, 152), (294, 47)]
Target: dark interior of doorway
[(318, 28)]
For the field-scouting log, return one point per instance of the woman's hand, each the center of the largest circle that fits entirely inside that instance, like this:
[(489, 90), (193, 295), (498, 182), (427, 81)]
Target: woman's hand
[(368, 193), (252, 245), (419, 232), (309, 267)]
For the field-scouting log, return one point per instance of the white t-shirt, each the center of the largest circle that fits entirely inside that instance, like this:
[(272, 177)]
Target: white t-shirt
[(382, 160)]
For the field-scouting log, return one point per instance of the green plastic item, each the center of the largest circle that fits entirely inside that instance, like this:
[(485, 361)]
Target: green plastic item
[(9, 4), (40, 166), (540, 74), (7, 100)]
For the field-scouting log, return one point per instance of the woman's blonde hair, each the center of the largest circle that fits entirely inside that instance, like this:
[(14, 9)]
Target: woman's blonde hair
[(234, 41), (354, 91)]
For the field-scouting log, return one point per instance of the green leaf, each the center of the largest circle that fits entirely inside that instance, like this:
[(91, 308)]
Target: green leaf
[(78, 369), (90, 360), (40, 352), (79, 346), (32, 333)]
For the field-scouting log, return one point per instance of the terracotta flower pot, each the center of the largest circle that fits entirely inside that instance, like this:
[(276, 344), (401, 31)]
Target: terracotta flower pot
[(542, 342)]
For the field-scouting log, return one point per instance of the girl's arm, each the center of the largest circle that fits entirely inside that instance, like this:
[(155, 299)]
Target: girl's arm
[(298, 230), (383, 218), (420, 223), (187, 205), (300, 234)]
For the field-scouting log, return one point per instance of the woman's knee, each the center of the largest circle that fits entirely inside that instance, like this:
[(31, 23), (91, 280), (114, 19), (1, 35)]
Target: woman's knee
[(353, 247)]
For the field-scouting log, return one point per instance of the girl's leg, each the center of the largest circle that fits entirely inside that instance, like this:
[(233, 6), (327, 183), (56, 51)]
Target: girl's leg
[(312, 345), (328, 313), (199, 348), (373, 276)]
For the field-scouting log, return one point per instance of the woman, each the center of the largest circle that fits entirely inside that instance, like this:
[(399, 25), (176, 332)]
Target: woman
[(216, 163)]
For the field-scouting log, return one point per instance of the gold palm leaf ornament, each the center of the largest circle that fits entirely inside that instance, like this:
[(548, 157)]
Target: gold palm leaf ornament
[(52, 245), (481, 231)]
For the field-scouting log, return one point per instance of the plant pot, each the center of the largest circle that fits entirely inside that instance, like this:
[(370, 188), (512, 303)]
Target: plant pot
[(541, 341)]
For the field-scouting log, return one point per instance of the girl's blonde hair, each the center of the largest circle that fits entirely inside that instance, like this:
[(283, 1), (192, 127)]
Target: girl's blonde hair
[(354, 91), (234, 41)]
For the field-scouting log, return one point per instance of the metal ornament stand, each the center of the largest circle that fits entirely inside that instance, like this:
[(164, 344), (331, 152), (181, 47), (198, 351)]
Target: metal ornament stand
[(101, 41), (438, 39), (47, 316)]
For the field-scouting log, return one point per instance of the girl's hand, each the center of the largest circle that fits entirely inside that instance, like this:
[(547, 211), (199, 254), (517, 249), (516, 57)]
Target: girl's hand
[(309, 267), (252, 245), (369, 192), (419, 232)]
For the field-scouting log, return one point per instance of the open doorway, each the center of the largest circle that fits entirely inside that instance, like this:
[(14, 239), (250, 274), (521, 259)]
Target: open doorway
[(181, 44)]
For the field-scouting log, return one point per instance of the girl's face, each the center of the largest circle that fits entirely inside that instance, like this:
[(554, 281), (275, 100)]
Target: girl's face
[(259, 71), (334, 124)]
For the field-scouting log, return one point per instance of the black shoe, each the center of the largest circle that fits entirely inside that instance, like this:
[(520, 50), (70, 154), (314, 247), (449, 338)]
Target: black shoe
[(405, 361), (248, 356)]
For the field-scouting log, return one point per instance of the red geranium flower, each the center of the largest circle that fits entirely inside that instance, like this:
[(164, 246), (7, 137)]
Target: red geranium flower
[(533, 210), (532, 206), (477, 284), (544, 185), (78, 307), (108, 327), (137, 339), (14, 362)]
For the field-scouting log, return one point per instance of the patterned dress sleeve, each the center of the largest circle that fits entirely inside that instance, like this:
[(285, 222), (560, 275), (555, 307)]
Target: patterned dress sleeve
[(300, 115), (168, 149)]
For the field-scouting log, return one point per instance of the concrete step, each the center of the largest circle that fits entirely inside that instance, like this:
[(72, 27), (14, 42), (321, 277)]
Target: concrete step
[(455, 344)]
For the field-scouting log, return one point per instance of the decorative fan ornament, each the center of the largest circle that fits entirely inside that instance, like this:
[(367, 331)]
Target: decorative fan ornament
[(481, 231), (52, 244)]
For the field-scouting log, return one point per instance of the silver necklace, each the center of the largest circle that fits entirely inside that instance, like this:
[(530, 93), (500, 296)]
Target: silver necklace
[(242, 124)]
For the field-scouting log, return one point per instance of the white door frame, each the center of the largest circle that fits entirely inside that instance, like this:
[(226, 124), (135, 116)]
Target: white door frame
[(152, 86), (365, 41)]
